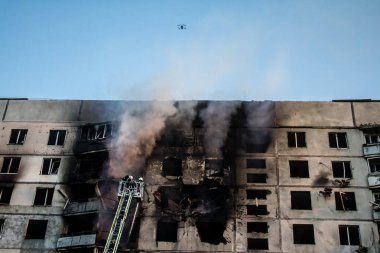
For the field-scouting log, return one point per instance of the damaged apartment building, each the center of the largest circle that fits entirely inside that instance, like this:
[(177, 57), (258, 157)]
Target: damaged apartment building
[(216, 176)]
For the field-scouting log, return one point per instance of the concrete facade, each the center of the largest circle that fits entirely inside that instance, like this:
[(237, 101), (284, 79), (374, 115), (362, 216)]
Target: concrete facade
[(83, 200)]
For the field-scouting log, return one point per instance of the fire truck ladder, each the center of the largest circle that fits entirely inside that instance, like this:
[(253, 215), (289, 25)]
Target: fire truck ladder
[(127, 190)]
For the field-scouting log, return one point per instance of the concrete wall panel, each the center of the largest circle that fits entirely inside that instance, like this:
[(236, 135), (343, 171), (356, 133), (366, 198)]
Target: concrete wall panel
[(367, 113)]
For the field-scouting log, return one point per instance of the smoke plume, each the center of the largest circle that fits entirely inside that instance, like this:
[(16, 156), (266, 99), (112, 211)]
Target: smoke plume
[(217, 117)]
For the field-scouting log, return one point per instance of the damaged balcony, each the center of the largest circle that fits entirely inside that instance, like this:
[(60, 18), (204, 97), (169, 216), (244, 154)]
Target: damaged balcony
[(94, 138), (370, 150), (77, 241), (376, 215), (372, 139), (87, 206), (374, 181)]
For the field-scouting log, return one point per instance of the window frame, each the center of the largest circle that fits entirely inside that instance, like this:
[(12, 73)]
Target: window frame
[(295, 195), (297, 139), (48, 198), (52, 161), (342, 201), (2, 192), (336, 139), (56, 139), (344, 168), (21, 136), (292, 168), (348, 233), (28, 228), (11, 162)]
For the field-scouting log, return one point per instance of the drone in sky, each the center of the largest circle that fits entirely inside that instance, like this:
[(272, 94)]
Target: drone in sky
[(181, 27)]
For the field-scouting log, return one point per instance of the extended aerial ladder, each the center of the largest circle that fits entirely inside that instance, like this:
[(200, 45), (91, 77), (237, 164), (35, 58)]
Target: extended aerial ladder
[(128, 189)]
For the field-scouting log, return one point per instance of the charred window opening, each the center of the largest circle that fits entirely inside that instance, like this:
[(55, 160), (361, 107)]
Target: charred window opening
[(171, 137), (82, 192), (300, 200), (57, 137), (341, 169), (81, 224), (11, 165), (211, 232), (257, 141), (94, 132), (257, 194), (303, 234), (349, 235), (91, 165), (256, 178), (258, 243), (374, 165), (18, 136), (44, 196), (257, 227), (172, 167), (214, 168), (5, 194), (2, 222), (256, 163), (299, 169), (257, 210), (36, 229), (338, 140), (50, 166), (345, 201), (167, 231), (296, 140)]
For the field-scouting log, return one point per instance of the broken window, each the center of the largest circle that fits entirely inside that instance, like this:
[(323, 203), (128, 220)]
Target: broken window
[(299, 169), (256, 163), (57, 137), (167, 231), (50, 166), (18, 136), (257, 227), (338, 140), (5, 194), (303, 234), (257, 194), (256, 178), (2, 222), (296, 139), (80, 224), (96, 132), (214, 168), (374, 165), (43, 196), (11, 165), (345, 201), (258, 243), (211, 232), (349, 235), (257, 210), (372, 138), (36, 229), (300, 200), (82, 192), (172, 167), (341, 169), (257, 142)]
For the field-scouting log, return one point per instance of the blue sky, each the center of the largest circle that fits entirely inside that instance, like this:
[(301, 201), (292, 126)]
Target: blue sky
[(231, 50)]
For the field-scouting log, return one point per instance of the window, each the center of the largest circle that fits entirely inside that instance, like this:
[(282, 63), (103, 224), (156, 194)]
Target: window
[(5, 194), (338, 140), (258, 141), (167, 231), (296, 140), (256, 163), (96, 132), (57, 137), (43, 196), (349, 235), (50, 166), (10, 165), (374, 165), (372, 138), (258, 243), (299, 169), (2, 222), (300, 200), (172, 167), (256, 178), (257, 194), (36, 229), (341, 169), (345, 201), (257, 210), (18, 136), (214, 168), (257, 227), (303, 234)]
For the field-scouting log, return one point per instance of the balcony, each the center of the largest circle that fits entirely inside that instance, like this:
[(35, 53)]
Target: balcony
[(85, 207), (374, 181), (371, 150), (77, 241), (376, 215)]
